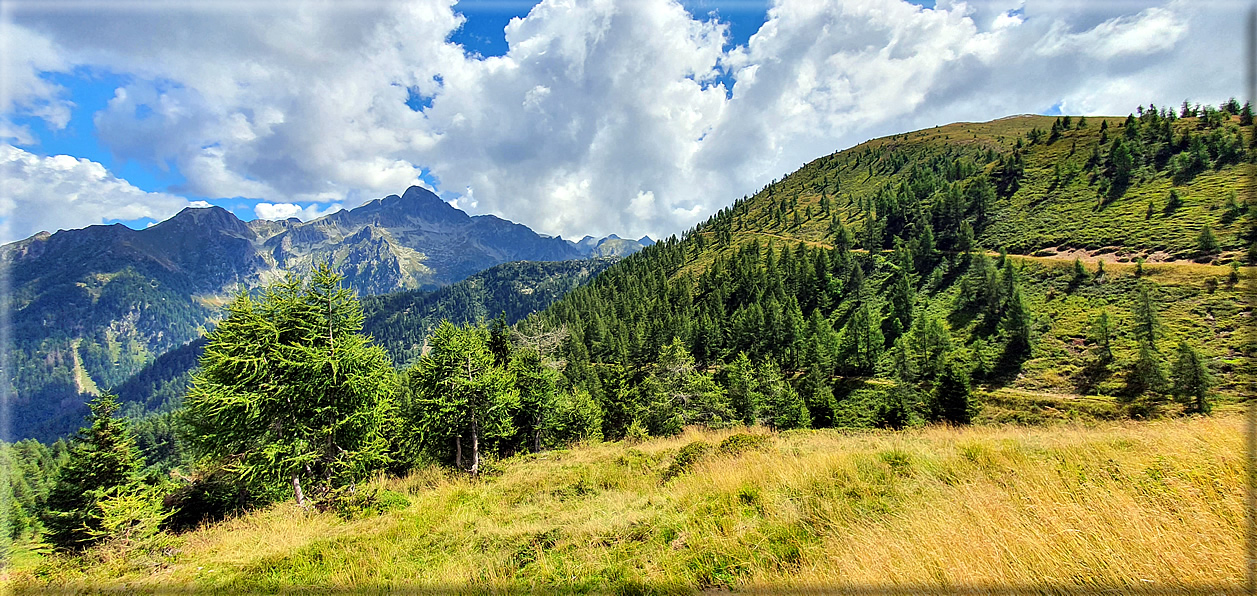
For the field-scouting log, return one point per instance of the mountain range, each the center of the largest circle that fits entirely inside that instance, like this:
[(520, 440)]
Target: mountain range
[(90, 307)]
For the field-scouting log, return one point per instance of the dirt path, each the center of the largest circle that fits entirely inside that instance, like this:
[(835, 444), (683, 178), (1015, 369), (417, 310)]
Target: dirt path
[(1092, 257)]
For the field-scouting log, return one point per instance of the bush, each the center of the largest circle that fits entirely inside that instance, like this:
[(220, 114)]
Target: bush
[(741, 443), (208, 497), (131, 519), (686, 458), (352, 503), (636, 433)]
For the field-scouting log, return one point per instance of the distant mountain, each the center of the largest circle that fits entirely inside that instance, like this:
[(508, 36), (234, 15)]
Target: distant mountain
[(91, 306)]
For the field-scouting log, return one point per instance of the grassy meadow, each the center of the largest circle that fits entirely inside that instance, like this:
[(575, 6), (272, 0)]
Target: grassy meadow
[(1075, 508)]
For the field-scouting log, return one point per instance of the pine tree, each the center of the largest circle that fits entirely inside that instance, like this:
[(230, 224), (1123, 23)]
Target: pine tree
[(537, 385), (678, 394), (964, 239), (1147, 321), (1080, 273), (930, 343), (290, 391), (1175, 201), (902, 297), (862, 339), (103, 459), (1017, 323), (782, 408), (1146, 374), (818, 396), (1190, 379)]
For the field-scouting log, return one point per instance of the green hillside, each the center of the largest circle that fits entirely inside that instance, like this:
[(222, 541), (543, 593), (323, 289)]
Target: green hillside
[(864, 277), (1054, 193)]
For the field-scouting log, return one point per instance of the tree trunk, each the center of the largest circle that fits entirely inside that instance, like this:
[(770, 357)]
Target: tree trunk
[(296, 490), (458, 452), (475, 447)]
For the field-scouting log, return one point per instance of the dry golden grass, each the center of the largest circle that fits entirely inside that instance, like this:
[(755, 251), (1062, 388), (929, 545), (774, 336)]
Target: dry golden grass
[(1125, 506)]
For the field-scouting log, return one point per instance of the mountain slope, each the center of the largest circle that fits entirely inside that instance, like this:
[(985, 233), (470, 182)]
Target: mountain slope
[(846, 272), (1054, 192), (90, 307)]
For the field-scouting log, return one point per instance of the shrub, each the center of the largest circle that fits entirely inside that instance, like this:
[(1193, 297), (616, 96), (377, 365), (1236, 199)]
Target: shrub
[(686, 458), (132, 518), (208, 497), (351, 503), (741, 443), (636, 432)]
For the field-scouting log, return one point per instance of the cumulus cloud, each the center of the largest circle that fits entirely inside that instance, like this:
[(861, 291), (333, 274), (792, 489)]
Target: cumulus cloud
[(25, 59), (280, 211), (604, 115), (64, 192)]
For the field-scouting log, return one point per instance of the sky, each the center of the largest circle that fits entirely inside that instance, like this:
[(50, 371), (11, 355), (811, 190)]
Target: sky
[(574, 117)]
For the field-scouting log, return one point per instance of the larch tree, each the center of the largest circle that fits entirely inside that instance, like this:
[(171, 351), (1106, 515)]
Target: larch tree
[(459, 398), (1190, 379), (291, 392)]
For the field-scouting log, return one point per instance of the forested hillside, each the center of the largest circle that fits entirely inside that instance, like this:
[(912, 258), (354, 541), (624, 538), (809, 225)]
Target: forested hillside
[(865, 278), (401, 321)]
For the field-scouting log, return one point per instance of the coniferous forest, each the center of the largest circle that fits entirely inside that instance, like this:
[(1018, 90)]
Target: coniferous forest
[(996, 278)]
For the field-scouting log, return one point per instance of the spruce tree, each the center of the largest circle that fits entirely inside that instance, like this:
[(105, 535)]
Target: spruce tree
[(1147, 321), (1146, 374), (951, 399), (1101, 337), (862, 339), (679, 394), (1017, 322), (782, 408), (743, 388), (1080, 273), (103, 458), (902, 298)]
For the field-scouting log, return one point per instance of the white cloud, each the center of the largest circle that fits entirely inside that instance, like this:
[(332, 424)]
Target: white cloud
[(1153, 30), (604, 116), (24, 58), (64, 192), (282, 211)]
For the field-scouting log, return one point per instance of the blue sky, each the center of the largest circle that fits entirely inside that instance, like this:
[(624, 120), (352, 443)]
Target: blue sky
[(605, 116), (481, 34)]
